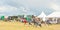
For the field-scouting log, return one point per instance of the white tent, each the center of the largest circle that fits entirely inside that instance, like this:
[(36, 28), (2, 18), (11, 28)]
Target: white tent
[(54, 14), (42, 15)]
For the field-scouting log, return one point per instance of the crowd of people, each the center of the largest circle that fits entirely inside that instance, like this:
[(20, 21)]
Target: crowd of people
[(35, 20), (30, 20)]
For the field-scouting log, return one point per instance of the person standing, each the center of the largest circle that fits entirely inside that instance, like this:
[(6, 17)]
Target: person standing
[(29, 20)]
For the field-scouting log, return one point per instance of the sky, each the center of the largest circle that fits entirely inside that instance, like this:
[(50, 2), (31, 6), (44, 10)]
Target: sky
[(28, 7)]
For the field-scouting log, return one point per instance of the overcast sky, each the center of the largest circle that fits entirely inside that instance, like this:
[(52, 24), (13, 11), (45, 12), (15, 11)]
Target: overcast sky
[(30, 7)]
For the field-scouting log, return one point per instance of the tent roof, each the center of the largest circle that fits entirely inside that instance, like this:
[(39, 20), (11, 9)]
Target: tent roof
[(42, 15), (54, 14)]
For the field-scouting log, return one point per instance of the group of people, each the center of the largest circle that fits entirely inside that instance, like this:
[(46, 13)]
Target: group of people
[(36, 21), (31, 21)]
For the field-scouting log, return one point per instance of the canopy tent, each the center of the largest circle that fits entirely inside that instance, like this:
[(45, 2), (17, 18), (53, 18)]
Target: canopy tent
[(54, 14), (42, 15)]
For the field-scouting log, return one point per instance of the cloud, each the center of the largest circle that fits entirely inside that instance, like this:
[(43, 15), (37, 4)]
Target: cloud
[(27, 3), (7, 8), (55, 6), (35, 7), (24, 9)]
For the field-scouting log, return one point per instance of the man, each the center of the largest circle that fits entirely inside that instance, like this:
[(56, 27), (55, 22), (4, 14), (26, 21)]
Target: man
[(39, 22), (29, 20), (36, 21)]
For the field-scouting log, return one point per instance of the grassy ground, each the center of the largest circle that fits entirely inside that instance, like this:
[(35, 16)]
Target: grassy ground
[(21, 26)]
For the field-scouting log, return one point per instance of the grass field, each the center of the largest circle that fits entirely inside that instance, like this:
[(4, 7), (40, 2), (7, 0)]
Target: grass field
[(21, 26)]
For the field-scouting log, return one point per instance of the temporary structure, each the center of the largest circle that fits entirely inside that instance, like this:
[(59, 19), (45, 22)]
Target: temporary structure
[(42, 15), (54, 14)]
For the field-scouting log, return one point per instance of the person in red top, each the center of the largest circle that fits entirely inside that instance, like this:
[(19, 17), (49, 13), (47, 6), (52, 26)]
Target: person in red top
[(24, 20)]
